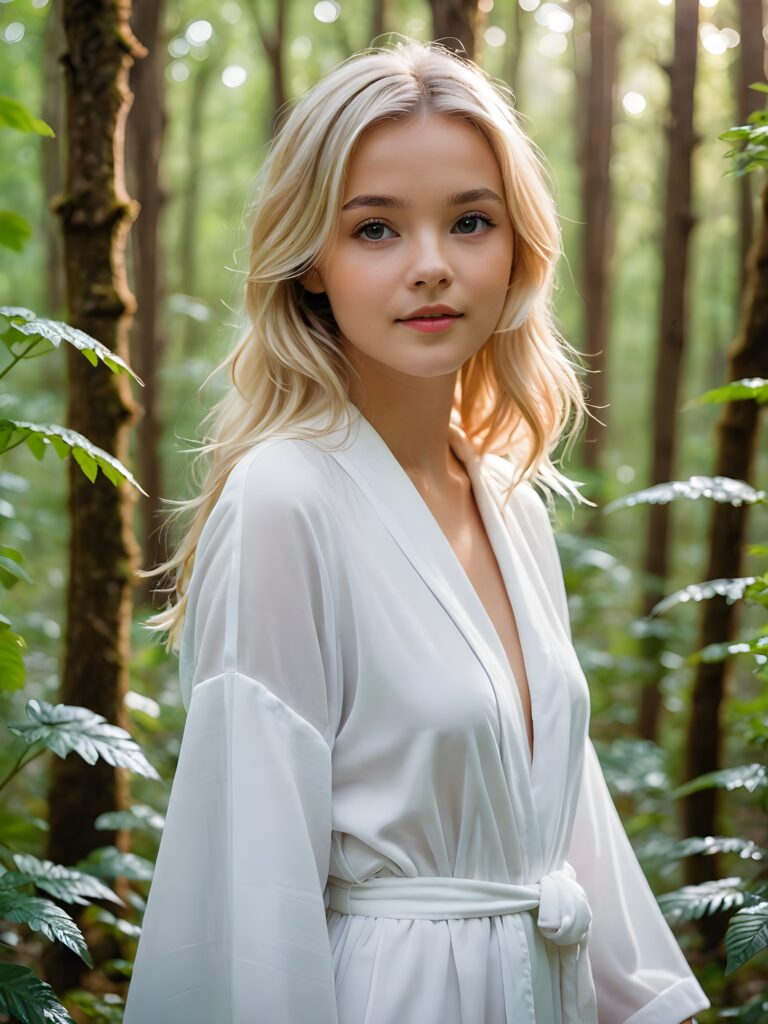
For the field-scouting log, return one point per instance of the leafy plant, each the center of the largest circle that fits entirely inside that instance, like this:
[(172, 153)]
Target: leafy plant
[(60, 728), (746, 900)]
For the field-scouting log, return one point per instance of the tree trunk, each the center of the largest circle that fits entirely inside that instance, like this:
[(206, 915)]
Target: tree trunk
[(145, 131), (273, 41), (513, 53), (459, 26), (737, 436), (96, 212), (598, 230), (750, 69), (188, 238), (673, 330), (379, 19), (52, 161)]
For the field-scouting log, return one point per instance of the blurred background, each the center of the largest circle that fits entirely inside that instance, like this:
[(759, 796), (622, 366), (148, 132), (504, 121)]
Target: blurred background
[(130, 138)]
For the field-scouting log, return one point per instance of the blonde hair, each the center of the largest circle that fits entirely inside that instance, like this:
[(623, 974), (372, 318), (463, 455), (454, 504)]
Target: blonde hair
[(515, 395)]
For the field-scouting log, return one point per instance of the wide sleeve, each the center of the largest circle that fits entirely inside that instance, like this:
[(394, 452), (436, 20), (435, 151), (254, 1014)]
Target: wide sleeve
[(640, 973), (234, 929)]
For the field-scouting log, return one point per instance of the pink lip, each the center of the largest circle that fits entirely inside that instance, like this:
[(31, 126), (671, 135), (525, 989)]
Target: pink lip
[(430, 325)]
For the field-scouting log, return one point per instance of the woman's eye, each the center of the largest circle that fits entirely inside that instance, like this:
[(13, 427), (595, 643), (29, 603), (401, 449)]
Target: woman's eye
[(377, 225)]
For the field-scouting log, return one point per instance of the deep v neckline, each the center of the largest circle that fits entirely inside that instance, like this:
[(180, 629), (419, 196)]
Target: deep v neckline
[(363, 453), (469, 459)]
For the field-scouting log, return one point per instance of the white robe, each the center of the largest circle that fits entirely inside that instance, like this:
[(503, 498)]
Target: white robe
[(352, 713)]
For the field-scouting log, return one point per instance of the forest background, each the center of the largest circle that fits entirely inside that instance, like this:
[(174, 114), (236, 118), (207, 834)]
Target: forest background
[(126, 219)]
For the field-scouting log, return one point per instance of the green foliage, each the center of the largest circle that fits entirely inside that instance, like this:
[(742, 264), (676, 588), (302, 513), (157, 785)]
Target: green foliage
[(138, 816), (730, 589), (15, 232), (755, 388), (42, 916), (107, 1008), (718, 488), (40, 437), (750, 777), (745, 899), (109, 862), (28, 336), (15, 115), (63, 883), (64, 728), (753, 154), (61, 728), (25, 998)]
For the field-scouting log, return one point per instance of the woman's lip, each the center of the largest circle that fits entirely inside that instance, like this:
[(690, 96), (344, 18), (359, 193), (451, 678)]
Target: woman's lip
[(432, 324)]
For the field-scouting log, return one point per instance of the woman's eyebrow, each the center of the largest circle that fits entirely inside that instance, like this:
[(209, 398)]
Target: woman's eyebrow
[(472, 195)]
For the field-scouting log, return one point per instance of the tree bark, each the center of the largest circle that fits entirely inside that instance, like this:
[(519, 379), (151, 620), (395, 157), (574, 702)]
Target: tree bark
[(145, 132), (188, 237), (273, 41), (96, 213), (750, 68), (673, 331), (379, 19), (459, 25), (52, 161), (598, 231), (737, 435), (513, 53)]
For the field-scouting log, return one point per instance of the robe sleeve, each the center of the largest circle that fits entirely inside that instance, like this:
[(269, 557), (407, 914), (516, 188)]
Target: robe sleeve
[(641, 975), (234, 929)]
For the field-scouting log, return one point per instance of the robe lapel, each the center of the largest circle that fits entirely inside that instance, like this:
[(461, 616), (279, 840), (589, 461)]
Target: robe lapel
[(364, 455)]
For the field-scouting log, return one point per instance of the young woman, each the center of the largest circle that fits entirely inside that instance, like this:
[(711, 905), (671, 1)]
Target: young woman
[(387, 809)]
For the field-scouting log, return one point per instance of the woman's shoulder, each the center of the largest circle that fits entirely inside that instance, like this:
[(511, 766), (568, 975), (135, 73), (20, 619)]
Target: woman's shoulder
[(284, 472)]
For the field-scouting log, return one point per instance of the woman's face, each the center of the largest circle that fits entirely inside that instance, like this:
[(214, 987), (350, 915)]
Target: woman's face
[(408, 239)]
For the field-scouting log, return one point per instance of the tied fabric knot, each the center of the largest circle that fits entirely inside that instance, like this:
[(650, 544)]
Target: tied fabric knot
[(564, 918), (564, 911)]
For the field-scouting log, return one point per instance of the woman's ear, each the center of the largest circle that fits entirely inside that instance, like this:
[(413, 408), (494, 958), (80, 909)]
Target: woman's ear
[(312, 281)]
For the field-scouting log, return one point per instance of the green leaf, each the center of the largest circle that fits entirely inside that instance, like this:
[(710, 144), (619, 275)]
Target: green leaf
[(755, 388), (27, 999), (139, 816), (757, 646), (15, 231), (731, 589), (14, 115), (63, 883), (119, 926), (747, 935), (13, 672), (44, 916), (696, 901), (749, 776), (65, 728), (42, 436), (722, 489), (109, 862), (657, 854), (11, 570), (18, 324)]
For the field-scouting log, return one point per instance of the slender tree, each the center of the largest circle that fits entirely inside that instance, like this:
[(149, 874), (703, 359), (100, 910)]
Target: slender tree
[(458, 25), (144, 141), (599, 90), (96, 213), (737, 436), (53, 159), (673, 328), (750, 67), (187, 259), (273, 42)]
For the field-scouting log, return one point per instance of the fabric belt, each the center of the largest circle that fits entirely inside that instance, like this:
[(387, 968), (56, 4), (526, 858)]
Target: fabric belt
[(564, 917)]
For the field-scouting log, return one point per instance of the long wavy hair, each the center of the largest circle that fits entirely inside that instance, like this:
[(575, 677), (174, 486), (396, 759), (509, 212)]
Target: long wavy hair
[(515, 397)]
